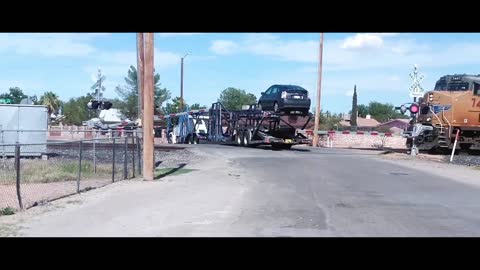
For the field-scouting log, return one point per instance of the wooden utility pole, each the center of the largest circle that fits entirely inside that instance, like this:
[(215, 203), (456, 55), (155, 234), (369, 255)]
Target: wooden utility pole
[(319, 93), (140, 72), (148, 111)]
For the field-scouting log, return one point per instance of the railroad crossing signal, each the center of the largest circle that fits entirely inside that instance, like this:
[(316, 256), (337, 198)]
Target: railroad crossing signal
[(416, 90), (95, 105), (414, 108)]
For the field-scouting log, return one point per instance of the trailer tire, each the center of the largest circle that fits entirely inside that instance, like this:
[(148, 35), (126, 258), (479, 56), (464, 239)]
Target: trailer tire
[(247, 135), (276, 108), (192, 139), (239, 138)]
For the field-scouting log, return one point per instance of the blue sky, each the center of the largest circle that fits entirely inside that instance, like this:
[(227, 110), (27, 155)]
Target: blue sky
[(378, 63)]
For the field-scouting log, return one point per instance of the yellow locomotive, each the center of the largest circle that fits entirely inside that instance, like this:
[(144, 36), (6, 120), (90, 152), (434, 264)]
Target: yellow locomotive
[(453, 105)]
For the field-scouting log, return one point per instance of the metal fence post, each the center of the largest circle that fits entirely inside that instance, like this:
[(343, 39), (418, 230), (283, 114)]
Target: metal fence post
[(17, 169), (80, 150), (94, 156), (139, 155), (113, 161), (133, 156), (125, 161)]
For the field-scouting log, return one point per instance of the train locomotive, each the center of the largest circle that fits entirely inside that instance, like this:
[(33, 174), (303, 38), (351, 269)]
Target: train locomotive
[(453, 105)]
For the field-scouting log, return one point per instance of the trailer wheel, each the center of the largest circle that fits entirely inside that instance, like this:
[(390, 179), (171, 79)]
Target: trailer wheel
[(276, 108), (247, 138), (239, 138)]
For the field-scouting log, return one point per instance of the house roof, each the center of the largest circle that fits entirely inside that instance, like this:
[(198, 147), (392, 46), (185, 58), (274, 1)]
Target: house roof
[(361, 122)]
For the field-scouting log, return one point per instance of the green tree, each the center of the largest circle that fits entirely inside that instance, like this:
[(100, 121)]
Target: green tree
[(234, 99), (173, 107), (381, 111), (362, 110), (329, 121), (15, 94), (51, 101), (353, 117), (76, 111), (129, 94), (197, 106)]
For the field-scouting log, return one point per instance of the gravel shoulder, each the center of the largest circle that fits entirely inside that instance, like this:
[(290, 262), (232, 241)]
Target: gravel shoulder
[(437, 165)]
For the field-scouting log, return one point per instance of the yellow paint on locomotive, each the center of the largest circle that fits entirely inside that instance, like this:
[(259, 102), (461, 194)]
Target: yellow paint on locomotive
[(451, 108)]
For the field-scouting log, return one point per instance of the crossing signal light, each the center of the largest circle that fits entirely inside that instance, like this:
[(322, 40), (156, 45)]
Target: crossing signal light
[(403, 109), (106, 105), (414, 108), (92, 105), (95, 105)]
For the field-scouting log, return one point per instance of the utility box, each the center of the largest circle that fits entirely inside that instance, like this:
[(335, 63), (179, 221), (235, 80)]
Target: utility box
[(25, 124)]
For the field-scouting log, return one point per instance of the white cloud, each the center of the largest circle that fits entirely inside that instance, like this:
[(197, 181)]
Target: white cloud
[(63, 44), (117, 63), (223, 47), (164, 59), (362, 41), (291, 50)]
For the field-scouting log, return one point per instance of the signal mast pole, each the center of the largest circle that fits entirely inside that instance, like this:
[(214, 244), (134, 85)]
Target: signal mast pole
[(416, 90)]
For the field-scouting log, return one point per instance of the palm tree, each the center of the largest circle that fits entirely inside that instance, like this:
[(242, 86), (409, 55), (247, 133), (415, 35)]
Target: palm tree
[(51, 101)]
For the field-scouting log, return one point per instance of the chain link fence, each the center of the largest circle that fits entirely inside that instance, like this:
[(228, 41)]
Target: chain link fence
[(33, 174)]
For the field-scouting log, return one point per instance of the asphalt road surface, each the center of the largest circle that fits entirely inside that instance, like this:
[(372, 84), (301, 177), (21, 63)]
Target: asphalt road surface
[(259, 192)]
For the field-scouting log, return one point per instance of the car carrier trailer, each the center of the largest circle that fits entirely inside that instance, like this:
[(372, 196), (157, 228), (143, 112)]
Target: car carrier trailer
[(249, 127)]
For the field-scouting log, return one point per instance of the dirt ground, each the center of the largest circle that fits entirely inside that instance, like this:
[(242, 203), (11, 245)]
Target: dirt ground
[(437, 164)]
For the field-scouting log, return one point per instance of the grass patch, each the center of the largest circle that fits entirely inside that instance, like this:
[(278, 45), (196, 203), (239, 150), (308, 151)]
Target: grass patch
[(7, 211), (159, 173), (46, 171)]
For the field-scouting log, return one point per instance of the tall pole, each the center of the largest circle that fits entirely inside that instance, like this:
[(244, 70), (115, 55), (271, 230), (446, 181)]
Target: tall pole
[(319, 93), (140, 62), (181, 85), (148, 143)]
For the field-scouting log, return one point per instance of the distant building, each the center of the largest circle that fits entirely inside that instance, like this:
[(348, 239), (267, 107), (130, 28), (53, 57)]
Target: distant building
[(395, 125)]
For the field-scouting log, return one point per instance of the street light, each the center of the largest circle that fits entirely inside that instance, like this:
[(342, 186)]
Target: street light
[(181, 82)]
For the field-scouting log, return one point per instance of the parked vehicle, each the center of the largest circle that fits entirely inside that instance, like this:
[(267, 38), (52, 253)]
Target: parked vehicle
[(191, 132), (285, 98)]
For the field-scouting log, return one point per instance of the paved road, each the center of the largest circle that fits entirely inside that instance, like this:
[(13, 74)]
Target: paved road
[(259, 192)]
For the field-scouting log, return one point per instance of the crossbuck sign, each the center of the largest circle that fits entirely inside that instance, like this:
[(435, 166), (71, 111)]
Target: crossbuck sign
[(416, 89)]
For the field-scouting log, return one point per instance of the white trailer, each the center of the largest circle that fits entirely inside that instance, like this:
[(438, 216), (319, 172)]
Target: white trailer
[(23, 124)]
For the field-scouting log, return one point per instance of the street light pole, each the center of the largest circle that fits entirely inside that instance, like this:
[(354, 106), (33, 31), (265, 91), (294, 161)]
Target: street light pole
[(319, 93), (181, 82)]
